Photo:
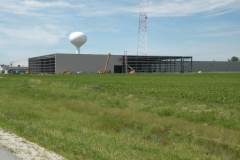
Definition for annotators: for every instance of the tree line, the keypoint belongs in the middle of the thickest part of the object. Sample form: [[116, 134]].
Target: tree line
[[234, 59]]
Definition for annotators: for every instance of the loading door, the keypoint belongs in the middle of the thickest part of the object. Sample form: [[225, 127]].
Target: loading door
[[118, 69]]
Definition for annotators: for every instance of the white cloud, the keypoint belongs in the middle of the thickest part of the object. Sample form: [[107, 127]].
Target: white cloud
[[190, 7], [32, 7], [95, 8], [37, 35], [33, 4]]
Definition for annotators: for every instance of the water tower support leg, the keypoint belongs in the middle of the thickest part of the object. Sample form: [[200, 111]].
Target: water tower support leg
[[78, 50]]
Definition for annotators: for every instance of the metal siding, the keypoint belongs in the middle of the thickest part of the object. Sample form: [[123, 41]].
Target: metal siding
[[205, 66], [85, 62], [55, 63]]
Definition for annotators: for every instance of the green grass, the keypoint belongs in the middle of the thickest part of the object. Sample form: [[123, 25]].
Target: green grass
[[142, 116]]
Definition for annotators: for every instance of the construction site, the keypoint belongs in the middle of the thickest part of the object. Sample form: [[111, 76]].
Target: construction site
[[141, 62], [90, 63], [71, 63]]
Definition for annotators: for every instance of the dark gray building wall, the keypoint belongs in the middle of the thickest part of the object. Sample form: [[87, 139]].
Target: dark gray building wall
[[213, 66], [85, 62]]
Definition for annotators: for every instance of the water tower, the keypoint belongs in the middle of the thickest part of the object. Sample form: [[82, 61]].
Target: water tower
[[78, 39]]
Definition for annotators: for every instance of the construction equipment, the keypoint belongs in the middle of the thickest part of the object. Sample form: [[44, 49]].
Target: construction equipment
[[132, 70], [106, 66], [66, 72]]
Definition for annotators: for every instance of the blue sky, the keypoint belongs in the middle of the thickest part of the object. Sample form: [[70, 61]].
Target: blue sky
[[205, 29]]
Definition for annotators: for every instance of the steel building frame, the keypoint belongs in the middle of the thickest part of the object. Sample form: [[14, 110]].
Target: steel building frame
[[42, 64], [149, 64]]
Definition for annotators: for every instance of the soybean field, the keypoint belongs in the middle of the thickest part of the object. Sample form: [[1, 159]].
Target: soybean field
[[123, 116]]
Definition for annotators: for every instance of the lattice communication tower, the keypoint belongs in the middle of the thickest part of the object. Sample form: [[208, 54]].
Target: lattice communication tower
[[142, 30]]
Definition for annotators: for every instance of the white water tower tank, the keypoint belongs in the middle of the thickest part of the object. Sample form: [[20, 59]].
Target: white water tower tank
[[78, 39]]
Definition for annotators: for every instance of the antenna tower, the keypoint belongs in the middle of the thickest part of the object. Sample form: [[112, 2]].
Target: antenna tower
[[142, 30]]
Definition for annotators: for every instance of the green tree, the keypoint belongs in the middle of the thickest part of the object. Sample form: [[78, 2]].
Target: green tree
[[234, 59]]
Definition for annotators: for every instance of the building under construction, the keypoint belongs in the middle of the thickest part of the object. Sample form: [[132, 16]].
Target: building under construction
[[150, 64], [89, 63]]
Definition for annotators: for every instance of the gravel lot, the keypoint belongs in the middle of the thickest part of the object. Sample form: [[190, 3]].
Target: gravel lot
[[25, 149]]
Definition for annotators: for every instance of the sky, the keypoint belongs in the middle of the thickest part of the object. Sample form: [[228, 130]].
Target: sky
[[208, 30]]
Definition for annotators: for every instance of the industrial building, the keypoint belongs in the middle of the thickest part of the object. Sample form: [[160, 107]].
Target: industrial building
[[15, 67], [89, 63], [19, 63], [3, 68]]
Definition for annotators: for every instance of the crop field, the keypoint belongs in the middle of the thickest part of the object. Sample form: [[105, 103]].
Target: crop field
[[118, 116]]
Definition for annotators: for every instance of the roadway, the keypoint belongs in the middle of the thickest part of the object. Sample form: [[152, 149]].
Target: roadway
[[7, 155]]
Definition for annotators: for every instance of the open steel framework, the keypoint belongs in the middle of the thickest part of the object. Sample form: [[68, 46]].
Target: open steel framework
[[42, 64], [151, 64]]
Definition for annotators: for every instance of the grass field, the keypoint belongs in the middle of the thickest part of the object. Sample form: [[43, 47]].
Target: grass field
[[142, 116]]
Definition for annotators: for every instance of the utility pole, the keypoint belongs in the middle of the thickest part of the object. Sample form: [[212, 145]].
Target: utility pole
[[142, 30]]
